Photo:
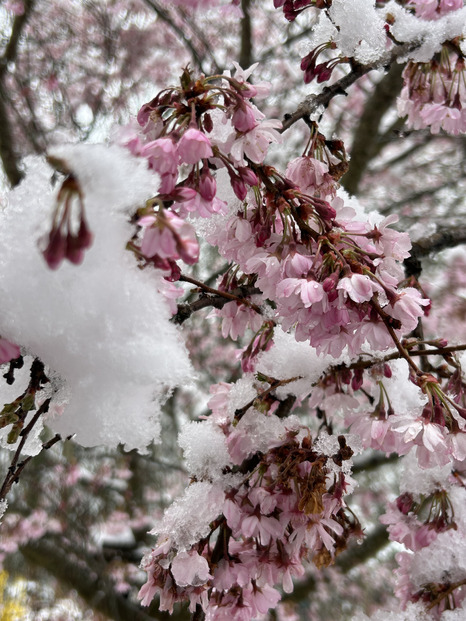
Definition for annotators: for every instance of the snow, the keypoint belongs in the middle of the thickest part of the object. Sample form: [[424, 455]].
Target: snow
[[425, 481], [289, 358], [204, 448], [187, 520], [101, 327], [443, 561], [405, 397], [413, 612], [407, 28], [360, 28]]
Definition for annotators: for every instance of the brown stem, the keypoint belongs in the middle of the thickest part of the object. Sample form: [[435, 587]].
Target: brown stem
[[15, 469], [223, 294], [403, 353], [240, 412], [313, 102]]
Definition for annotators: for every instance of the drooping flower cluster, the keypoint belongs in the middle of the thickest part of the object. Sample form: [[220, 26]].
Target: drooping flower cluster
[[279, 502], [434, 94], [429, 521], [330, 276]]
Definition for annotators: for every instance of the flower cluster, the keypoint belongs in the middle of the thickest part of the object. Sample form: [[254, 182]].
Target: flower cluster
[[430, 523], [283, 505], [331, 277], [434, 94], [186, 134]]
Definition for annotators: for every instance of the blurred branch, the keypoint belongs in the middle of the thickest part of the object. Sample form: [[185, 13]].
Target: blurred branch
[[96, 589], [8, 155], [245, 59], [165, 16], [444, 237], [11, 49], [366, 142], [215, 66], [375, 461]]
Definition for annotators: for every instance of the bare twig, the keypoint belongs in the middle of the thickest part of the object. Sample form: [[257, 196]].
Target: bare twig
[[313, 102]]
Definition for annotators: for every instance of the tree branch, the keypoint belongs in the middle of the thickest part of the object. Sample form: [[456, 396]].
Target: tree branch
[[366, 143], [440, 240], [313, 102], [96, 589], [165, 16], [11, 49], [246, 54]]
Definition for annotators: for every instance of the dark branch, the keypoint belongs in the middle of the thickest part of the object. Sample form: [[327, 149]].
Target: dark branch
[[11, 49], [313, 102], [366, 142], [440, 240], [246, 53], [97, 590], [165, 16]]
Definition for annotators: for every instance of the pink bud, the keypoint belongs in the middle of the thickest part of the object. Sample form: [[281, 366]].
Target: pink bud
[[184, 193], [55, 251], [358, 378], [207, 186], [404, 503], [239, 188], [243, 118], [248, 176]]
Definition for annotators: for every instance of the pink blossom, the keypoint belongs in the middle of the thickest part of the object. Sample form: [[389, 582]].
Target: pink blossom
[[244, 118], [311, 176], [255, 143], [162, 155], [359, 287], [190, 569], [8, 351], [194, 146], [408, 308]]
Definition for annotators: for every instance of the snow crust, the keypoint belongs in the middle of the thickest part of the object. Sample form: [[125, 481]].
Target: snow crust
[[362, 37], [289, 358], [205, 450], [422, 481], [102, 327], [187, 519], [408, 28]]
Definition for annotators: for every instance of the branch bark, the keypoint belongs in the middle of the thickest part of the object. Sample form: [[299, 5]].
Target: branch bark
[[313, 102], [246, 52], [366, 143], [165, 16], [95, 589], [8, 155]]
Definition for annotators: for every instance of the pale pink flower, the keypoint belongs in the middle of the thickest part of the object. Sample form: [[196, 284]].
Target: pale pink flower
[[255, 143], [433, 9], [311, 176], [359, 287], [190, 569], [407, 308], [258, 90], [162, 155], [194, 146]]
